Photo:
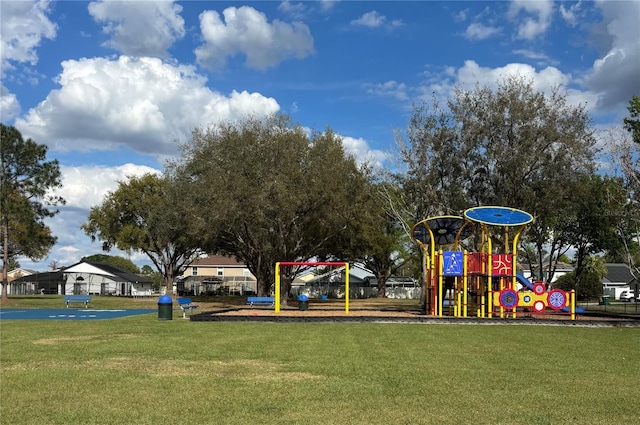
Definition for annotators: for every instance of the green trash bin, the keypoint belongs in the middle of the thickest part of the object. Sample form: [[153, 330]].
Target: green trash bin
[[605, 299], [165, 308], [303, 302]]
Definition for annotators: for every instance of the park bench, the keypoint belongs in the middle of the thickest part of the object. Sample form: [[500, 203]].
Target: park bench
[[260, 301], [186, 305], [77, 299]]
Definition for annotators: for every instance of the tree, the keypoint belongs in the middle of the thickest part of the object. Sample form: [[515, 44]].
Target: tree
[[384, 246], [590, 287], [116, 260], [632, 122], [511, 146], [27, 181], [149, 214], [592, 225], [154, 275], [271, 192]]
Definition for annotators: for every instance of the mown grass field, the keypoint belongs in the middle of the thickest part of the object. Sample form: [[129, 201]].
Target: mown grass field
[[139, 370]]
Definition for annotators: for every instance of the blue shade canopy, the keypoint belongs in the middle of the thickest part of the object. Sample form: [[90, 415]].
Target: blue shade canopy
[[421, 233], [499, 216], [444, 230]]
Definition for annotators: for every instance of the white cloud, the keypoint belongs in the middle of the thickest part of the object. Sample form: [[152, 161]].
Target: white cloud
[[538, 56], [247, 31], [361, 151], [544, 80], [142, 103], [9, 105], [23, 25], [615, 77], [537, 17], [140, 28], [86, 186], [570, 14], [374, 20], [470, 75], [370, 19], [478, 31], [296, 10], [83, 187], [389, 89]]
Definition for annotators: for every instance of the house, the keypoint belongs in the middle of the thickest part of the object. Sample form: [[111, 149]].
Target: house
[[216, 274], [19, 272], [362, 284], [560, 270], [618, 279], [94, 278], [37, 283]]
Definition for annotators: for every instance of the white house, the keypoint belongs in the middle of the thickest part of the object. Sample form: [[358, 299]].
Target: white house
[[617, 279], [93, 278]]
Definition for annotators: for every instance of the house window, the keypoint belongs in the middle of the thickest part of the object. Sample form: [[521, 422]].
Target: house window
[[194, 271], [220, 271]]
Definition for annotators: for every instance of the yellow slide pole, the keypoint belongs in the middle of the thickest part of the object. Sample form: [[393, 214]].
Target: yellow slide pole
[[440, 284]]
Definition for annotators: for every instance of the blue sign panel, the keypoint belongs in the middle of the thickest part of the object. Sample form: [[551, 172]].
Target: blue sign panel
[[452, 263]]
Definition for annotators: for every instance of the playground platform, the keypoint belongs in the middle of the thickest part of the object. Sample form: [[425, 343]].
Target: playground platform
[[377, 316]]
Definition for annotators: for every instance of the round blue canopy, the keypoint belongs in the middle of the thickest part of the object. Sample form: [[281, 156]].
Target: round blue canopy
[[499, 216]]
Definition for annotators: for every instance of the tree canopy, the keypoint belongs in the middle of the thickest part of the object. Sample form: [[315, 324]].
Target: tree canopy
[[511, 145], [270, 191], [149, 214], [632, 122], [26, 181], [116, 260]]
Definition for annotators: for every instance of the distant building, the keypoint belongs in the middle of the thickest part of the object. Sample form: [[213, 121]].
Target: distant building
[[618, 279], [216, 275], [37, 283], [94, 278]]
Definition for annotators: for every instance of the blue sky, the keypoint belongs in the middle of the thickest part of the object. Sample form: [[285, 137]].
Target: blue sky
[[112, 86]]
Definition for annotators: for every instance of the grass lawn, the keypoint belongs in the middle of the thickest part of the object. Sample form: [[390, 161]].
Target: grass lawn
[[138, 370]]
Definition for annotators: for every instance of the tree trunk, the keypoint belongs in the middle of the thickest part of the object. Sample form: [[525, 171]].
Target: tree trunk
[[382, 285], [5, 260]]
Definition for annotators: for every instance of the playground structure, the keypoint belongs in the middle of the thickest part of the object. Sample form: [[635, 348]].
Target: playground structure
[[485, 283]]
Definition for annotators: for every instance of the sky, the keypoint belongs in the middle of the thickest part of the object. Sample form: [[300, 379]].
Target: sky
[[113, 87]]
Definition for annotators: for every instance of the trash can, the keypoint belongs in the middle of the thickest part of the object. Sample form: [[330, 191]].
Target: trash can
[[605, 299], [303, 302], [165, 308]]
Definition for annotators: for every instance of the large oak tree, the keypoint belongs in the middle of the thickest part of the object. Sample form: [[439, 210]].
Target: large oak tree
[[149, 214], [270, 191]]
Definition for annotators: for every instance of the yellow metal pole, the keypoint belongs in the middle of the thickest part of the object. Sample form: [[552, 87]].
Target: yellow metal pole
[[439, 301], [346, 287], [572, 302], [489, 277], [465, 283], [277, 303]]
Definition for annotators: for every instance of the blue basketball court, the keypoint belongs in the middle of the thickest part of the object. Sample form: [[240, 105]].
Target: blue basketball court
[[68, 313]]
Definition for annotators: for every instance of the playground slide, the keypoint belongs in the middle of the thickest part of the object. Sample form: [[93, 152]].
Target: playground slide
[[524, 281]]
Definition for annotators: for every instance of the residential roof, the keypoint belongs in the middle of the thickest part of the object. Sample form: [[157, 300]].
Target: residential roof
[[216, 261], [105, 269], [618, 273], [43, 278]]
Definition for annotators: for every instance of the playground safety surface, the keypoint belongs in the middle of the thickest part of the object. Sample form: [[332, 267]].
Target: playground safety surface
[[378, 316], [68, 313]]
